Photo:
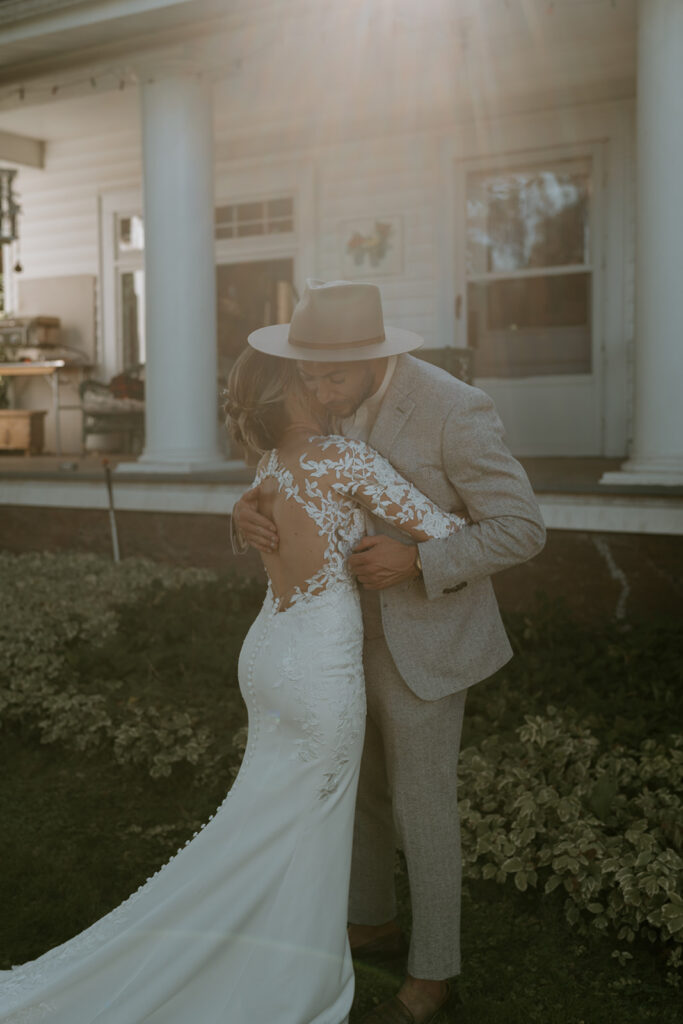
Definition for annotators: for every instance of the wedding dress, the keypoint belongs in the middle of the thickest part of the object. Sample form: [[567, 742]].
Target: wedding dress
[[246, 924]]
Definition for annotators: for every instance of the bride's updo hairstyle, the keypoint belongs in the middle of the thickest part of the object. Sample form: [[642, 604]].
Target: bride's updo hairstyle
[[254, 399]]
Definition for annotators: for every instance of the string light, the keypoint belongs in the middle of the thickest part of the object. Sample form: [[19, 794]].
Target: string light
[[116, 78], [30, 91]]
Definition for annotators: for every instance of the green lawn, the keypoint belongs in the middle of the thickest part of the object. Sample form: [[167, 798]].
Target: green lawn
[[81, 830]]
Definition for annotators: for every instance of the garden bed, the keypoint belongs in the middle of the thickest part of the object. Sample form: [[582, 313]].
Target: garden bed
[[124, 728]]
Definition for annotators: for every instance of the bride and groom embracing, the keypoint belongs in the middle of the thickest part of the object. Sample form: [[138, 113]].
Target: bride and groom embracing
[[351, 691]]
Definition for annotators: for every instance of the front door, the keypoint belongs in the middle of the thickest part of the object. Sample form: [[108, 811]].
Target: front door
[[528, 297]]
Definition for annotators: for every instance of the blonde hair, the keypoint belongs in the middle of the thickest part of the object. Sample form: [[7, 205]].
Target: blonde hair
[[254, 400]]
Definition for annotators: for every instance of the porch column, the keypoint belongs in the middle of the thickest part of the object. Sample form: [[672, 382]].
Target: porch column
[[180, 284], [657, 453]]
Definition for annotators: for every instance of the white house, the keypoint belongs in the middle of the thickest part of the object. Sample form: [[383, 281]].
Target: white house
[[489, 163]]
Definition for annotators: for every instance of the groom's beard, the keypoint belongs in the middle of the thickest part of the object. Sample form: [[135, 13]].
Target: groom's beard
[[348, 408]]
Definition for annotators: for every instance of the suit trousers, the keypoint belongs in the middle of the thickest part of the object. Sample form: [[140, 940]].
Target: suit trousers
[[407, 797]]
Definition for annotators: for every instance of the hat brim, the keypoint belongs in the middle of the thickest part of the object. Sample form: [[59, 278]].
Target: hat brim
[[274, 341]]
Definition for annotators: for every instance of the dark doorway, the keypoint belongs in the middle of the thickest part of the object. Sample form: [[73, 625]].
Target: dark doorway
[[248, 296]]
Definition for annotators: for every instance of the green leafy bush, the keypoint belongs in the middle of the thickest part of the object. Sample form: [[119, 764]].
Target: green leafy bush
[[95, 654], [138, 662], [552, 806]]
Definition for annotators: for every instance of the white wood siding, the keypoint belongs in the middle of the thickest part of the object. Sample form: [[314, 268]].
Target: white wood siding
[[59, 223], [399, 175], [389, 177]]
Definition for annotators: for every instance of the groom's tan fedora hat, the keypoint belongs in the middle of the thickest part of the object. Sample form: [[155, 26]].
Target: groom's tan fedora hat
[[335, 321]]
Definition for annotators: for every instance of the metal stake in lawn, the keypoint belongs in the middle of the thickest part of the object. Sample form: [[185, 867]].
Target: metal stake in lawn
[[112, 514]]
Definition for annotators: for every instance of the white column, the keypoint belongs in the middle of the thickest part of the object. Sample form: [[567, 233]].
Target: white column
[[657, 455], [180, 283]]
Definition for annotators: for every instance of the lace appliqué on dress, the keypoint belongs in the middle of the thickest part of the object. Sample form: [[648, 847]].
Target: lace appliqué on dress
[[363, 473], [339, 478], [338, 519]]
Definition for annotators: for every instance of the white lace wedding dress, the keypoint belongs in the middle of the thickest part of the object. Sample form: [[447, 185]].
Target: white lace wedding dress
[[246, 924]]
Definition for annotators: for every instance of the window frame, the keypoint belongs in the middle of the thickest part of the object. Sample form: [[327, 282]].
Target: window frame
[[528, 158]]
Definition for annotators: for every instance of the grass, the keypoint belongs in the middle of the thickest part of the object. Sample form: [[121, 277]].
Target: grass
[[523, 965], [80, 833]]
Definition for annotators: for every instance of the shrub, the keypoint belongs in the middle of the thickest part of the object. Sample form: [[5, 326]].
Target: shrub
[[138, 661], [82, 641], [605, 826]]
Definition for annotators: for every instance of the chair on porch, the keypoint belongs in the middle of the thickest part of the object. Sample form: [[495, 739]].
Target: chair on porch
[[116, 408]]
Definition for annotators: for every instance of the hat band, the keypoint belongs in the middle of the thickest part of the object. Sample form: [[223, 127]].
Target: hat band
[[337, 344]]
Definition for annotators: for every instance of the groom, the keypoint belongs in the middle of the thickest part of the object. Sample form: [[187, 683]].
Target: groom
[[432, 625]]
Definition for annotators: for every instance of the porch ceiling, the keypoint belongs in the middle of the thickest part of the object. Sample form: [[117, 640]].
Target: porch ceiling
[[311, 66]]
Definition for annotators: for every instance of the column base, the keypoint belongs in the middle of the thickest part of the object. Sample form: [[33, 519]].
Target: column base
[[664, 472]]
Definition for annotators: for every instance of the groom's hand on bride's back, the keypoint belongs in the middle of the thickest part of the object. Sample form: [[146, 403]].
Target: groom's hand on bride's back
[[378, 562], [255, 529]]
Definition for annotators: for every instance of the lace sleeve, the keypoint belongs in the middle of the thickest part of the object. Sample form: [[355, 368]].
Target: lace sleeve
[[358, 471], [262, 468]]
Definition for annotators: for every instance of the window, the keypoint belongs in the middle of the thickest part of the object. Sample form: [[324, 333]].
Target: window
[[529, 272], [129, 240], [266, 217], [132, 299], [130, 234], [124, 244]]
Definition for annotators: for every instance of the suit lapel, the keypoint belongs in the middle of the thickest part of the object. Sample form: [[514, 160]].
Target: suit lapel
[[396, 407]]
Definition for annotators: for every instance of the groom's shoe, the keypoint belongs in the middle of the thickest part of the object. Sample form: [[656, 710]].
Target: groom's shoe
[[395, 1011]]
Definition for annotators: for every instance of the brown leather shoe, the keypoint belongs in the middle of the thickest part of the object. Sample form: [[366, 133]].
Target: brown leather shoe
[[386, 947], [393, 1011]]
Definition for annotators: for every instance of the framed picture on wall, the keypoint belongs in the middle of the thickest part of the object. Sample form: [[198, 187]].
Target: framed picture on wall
[[371, 245]]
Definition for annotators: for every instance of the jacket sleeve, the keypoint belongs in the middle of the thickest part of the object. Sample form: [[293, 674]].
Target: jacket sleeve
[[506, 526], [359, 472]]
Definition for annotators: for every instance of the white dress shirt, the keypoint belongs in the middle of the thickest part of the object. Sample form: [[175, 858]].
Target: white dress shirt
[[359, 426]]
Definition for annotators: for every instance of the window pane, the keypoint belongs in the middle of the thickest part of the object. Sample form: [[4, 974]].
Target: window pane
[[133, 317], [253, 228], [223, 214], [279, 226], [130, 234], [520, 219], [530, 326], [250, 211], [279, 208]]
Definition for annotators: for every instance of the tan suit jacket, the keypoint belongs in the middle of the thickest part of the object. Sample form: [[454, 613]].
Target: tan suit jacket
[[445, 631]]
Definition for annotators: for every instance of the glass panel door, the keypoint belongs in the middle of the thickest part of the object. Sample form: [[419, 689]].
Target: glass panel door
[[132, 297]]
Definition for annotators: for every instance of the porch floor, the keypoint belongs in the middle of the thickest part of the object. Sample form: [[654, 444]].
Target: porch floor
[[16, 466], [569, 491], [565, 474]]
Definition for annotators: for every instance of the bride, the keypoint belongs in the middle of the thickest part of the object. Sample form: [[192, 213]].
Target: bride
[[247, 923]]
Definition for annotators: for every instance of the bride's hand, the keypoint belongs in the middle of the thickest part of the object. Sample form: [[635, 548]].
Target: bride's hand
[[379, 562], [256, 530]]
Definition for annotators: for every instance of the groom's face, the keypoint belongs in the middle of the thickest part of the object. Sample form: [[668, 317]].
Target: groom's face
[[342, 387]]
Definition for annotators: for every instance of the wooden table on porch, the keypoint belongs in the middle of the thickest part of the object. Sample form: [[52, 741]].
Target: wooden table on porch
[[49, 369]]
